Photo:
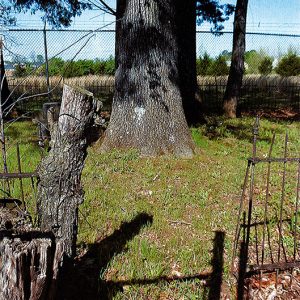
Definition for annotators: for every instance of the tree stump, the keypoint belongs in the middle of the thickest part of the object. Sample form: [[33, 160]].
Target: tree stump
[[59, 188], [32, 261]]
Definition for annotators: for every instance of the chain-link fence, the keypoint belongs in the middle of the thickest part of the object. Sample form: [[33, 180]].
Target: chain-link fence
[[89, 57]]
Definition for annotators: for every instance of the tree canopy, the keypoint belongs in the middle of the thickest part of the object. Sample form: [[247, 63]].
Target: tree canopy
[[60, 13], [57, 13], [213, 12], [6, 14]]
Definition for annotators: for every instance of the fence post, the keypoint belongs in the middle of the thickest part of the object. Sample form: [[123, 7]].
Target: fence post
[[46, 61]]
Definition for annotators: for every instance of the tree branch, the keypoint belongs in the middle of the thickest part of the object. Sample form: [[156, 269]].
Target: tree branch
[[105, 7]]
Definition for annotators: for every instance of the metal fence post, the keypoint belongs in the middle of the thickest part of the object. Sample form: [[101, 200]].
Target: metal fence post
[[46, 61]]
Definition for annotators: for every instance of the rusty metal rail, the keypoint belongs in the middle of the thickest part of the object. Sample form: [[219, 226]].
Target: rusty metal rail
[[17, 175], [268, 226]]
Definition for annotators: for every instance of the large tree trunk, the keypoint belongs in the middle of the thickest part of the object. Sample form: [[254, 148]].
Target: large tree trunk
[[59, 188], [235, 79], [186, 37], [5, 101], [147, 112]]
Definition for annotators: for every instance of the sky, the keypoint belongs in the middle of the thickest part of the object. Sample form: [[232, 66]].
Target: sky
[[266, 16], [276, 16]]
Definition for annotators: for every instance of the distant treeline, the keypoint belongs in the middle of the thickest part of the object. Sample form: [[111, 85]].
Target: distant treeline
[[256, 62], [59, 67]]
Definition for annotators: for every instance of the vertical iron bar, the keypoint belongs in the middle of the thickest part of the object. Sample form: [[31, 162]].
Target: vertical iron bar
[[256, 241], [270, 247], [260, 278], [266, 202], [20, 179], [2, 135], [282, 197], [296, 211], [46, 61], [237, 230], [255, 135]]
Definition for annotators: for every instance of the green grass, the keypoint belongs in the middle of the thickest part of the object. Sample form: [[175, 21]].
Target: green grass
[[25, 134], [189, 200]]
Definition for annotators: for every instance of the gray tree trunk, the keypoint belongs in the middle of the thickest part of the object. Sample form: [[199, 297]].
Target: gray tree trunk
[[59, 187], [4, 90], [147, 112], [186, 37], [235, 78]]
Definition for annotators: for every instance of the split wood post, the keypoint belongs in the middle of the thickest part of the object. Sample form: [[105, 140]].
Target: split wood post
[[29, 265], [59, 187], [31, 260]]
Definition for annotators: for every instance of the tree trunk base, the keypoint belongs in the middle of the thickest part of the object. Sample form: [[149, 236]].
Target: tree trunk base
[[29, 265], [230, 108]]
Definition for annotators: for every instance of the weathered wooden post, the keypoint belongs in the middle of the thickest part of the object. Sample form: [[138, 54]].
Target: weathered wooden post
[[30, 259], [59, 187]]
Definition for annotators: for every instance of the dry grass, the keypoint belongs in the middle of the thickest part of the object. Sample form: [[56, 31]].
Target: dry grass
[[91, 81], [253, 80], [31, 83]]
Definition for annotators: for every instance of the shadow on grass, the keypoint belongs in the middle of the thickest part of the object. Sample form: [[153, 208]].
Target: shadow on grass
[[84, 282], [218, 129], [212, 288]]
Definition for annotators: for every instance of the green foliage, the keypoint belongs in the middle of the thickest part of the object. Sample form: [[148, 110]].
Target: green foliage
[[67, 69], [55, 66], [203, 64], [213, 12], [206, 65], [266, 66], [110, 68], [219, 67], [89, 67], [253, 60], [22, 70], [56, 13], [258, 62], [289, 65], [78, 68], [6, 16], [102, 67]]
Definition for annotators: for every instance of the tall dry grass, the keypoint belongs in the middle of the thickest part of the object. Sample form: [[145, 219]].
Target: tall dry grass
[[252, 80], [38, 84], [91, 82]]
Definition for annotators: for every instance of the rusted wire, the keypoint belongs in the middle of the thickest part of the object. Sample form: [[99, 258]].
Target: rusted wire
[[266, 202], [282, 197], [279, 259], [296, 212]]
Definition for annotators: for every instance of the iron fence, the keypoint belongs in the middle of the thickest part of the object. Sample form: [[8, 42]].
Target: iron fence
[[26, 49]]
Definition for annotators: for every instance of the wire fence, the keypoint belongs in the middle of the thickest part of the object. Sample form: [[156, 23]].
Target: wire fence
[[93, 52]]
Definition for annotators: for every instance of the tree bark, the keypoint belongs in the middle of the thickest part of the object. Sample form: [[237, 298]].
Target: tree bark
[[235, 78], [5, 101], [186, 36], [147, 112], [59, 187], [30, 259]]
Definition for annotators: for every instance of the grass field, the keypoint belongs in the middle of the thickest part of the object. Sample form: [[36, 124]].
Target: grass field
[[146, 221]]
